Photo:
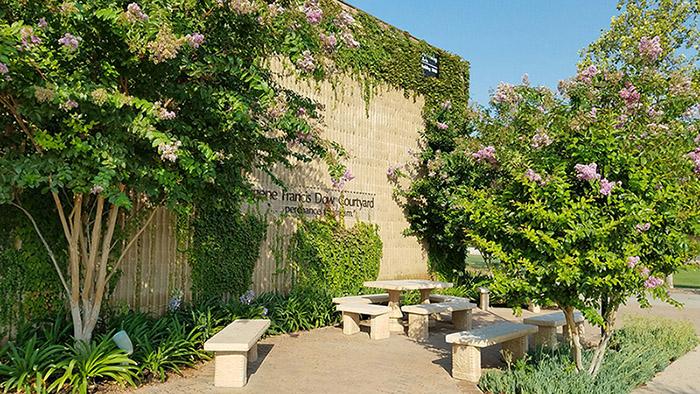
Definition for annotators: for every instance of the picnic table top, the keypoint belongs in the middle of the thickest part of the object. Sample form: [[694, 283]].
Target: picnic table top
[[407, 284]]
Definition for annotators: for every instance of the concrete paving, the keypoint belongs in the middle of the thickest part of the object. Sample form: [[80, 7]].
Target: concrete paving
[[325, 360]]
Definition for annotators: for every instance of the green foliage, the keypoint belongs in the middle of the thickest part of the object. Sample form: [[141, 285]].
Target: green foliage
[[225, 245], [560, 237], [639, 350], [27, 367], [29, 289], [301, 309], [88, 363], [327, 254]]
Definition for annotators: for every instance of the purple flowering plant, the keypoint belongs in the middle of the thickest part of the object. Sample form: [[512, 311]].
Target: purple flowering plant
[[118, 108], [618, 211]]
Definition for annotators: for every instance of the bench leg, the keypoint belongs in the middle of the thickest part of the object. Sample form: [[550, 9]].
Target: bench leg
[[484, 301], [379, 326], [351, 323], [466, 362], [253, 353], [230, 369], [516, 348], [462, 320], [395, 316], [546, 337], [418, 327]]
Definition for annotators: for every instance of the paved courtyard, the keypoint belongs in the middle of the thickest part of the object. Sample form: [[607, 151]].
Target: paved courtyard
[[325, 360]]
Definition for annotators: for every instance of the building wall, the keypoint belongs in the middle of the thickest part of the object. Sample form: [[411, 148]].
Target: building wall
[[375, 135]]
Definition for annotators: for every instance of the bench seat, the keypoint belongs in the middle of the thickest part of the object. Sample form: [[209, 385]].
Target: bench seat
[[467, 345], [419, 322], [233, 347], [363, 299], [438, 298], [547, 327], [379, 319]]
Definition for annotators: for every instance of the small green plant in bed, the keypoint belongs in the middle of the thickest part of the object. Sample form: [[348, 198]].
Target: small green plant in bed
[[638, 351]]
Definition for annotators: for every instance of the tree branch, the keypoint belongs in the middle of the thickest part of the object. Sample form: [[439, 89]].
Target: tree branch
[[46, 245], [131, 242]]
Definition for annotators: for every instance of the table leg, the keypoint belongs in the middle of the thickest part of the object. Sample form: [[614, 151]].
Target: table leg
[[395, 316], [425, 296]]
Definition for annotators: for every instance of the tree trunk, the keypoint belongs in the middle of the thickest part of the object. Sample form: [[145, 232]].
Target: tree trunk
[[574, 337], [607, 331]]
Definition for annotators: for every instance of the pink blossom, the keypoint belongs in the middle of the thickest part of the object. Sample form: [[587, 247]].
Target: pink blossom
[[594, 112], [606, 186], [345, 19], [328, 41], [695, 157], [653, 282], [194, 40], [447, 105], [134, 13], [28, 38], [69, 41], [697, 139], [42, 23], [587, 172], [487, 154], [541, 139], [168, 151], [313, 12], [97, 189], [349, 39], [505, 94], [3, 68], [347, 175], [533, 176], [301, 111], [630, 94], [650, 48], [642, 227], [645, 272], [632, 261], [69, 105], [392, 171], [306, 62], [586, 75], [340, 183], [442, 125]]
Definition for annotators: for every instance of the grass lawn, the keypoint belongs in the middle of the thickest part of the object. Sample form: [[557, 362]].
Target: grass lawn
[[687, 279]]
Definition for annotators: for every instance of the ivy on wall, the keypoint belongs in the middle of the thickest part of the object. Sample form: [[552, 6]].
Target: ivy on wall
[[224, 247], [327, 254], [29, 288]]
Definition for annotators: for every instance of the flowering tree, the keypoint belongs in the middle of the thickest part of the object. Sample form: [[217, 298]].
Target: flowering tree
[[112, 109], [587, 198]]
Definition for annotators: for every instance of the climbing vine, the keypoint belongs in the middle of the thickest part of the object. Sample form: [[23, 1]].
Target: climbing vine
[[327, 254]]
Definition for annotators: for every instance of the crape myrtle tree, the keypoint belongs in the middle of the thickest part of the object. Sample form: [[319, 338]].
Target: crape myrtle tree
[[110, 109], [586, 197]]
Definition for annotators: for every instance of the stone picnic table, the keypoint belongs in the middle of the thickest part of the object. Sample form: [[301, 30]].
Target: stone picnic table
[[395, 287]]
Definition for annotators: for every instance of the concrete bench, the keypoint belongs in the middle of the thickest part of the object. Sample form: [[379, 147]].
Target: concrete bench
[[439, 298], [233, 347], [466, 346], [418, 317], [379, 319], [363, 299], [547, 327]]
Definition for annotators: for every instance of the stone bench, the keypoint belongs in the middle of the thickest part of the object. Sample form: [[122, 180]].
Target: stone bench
[[363, 299], [419, 317], [466, 346], [379, 319], [439, 298], [233, 347], [547, 327]]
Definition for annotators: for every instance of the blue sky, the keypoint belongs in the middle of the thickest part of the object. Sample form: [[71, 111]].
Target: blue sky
[[502, 39]]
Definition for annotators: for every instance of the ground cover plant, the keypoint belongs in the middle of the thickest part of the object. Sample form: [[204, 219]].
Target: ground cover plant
[[643, 347]]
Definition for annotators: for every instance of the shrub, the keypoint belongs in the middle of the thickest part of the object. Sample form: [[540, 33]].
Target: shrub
[[90, 362], [26, 368], [638, 351], [327, 254]]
